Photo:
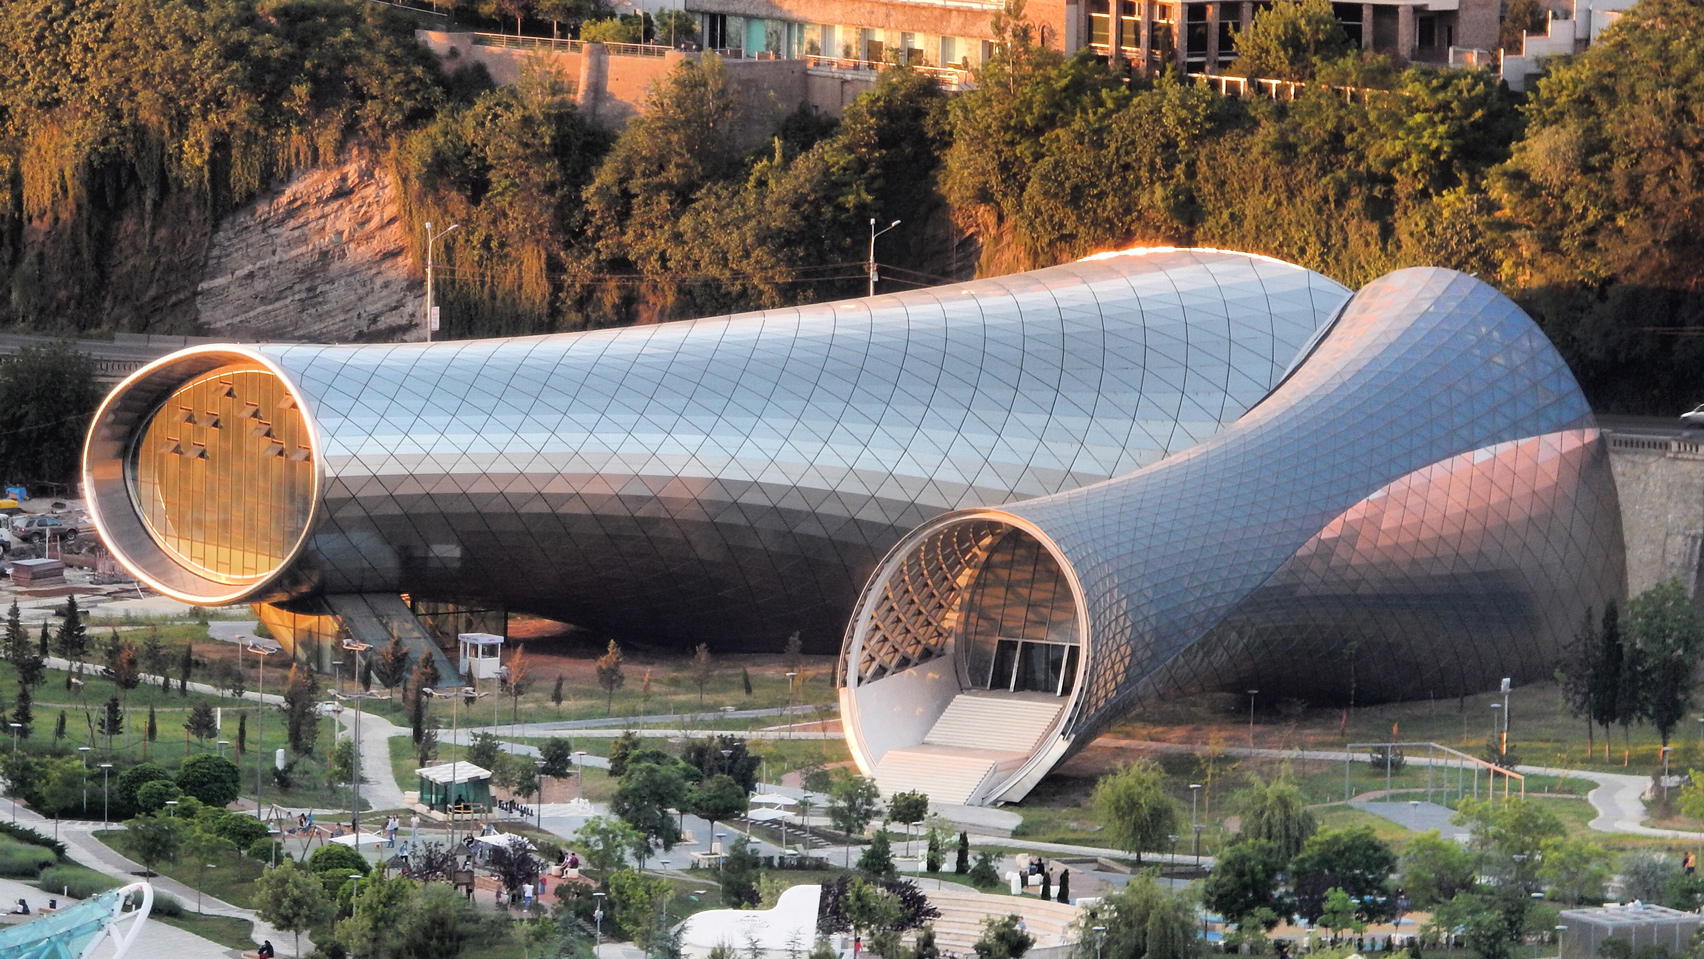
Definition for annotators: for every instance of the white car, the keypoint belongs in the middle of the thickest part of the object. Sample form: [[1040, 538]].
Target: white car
[[1693, 417], [330, 707]]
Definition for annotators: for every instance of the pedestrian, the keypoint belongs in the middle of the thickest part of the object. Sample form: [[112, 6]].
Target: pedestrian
[[414, 826], [1690, 862], [526, 896]]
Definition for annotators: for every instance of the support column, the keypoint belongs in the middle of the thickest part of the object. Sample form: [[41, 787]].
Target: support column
[[1212, 38], [1180, 37], [1114, 34], [1406, 33], [1145, 37], [1366, 26]]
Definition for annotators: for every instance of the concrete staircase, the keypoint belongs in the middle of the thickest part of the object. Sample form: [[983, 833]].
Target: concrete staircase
[[977, 738], [373, 618], [964, 910]]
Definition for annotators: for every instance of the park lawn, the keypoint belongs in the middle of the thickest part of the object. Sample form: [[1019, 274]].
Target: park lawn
[[1541, 730], [1347, 817], [227, 931], [231, 877]]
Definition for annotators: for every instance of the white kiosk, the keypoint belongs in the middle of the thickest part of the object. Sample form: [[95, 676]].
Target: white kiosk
[[481, 655]]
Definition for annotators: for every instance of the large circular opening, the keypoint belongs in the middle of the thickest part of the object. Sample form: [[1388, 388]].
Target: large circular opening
[[201, 475], [223, 474]]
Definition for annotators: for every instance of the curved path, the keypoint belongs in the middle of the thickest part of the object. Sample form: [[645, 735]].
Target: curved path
[[1618, 798]]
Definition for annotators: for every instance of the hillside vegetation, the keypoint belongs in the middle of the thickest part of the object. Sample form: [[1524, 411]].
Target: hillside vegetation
[[127, 129]]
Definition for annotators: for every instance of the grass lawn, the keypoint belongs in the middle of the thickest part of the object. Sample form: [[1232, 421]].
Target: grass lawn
[[227, 931], [231, 877]]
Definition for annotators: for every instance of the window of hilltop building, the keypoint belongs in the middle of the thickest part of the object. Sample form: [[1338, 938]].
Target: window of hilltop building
[[1228, 27], [1163, 44], [1195, 55], [716, 31], [1349, 14], [1100, 25], [1130, 28]]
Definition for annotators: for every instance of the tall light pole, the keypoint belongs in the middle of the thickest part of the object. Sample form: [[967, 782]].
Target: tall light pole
[[873, 234], [106, 793], [597, 915], [791, 674], [1506, 687], [1194, 798], [539, 801], [222, 744], [432, 240], [260, 654], [1251, 694], [83, 751]]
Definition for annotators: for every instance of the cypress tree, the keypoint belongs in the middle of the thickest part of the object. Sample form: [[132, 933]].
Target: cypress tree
[[186, 665], [962, 865], [242, 733], [23, 715], [153, 727], [745, 674], [59, 727], [41, 644]]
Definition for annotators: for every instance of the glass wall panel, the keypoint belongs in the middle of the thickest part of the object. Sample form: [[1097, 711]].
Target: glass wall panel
[[223, 474]]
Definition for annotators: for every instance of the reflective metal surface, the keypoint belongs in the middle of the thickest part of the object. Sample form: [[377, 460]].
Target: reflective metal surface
[[1422, 508], [734, 480]]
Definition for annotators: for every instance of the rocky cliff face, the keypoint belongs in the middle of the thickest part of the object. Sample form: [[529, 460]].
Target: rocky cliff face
[[322, 258]]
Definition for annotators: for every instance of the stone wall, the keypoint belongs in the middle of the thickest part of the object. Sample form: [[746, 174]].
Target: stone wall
[[324, 258], [1661, 486]]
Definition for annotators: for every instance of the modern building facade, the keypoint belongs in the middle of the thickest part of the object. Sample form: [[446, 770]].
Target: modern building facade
[[730, 480], [1020, 506], [1422, 507]]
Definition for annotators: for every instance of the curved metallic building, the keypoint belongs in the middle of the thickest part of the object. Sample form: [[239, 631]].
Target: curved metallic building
[[1422, 507], [730, 480]]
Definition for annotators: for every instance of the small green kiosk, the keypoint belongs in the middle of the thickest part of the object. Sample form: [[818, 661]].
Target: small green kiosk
[[456, 783]]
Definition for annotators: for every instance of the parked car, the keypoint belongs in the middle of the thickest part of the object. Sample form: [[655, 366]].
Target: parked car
[[1693, 417], [32, 529], [330, 707]]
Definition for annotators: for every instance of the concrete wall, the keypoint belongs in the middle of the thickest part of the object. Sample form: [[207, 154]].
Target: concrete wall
[[611, 89], [1661, 486]]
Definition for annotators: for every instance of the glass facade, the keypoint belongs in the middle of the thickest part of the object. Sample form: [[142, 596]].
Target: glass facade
[[1424, 504], [223, 474], [734, 480]]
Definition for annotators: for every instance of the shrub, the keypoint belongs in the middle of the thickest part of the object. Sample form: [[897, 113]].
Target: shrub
[[152, 796], [78, 882], [26, 834], [983, 875], [266, 850], [242, 829], [20, 861], [340, 859], [166, 904], [211, 779]]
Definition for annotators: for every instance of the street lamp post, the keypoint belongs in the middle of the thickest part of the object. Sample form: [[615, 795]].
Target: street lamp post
[[106, 793], [1194, 797], [1100, 937], [873, 234], [83, 751], [1251, 694], [597, 916], [260, 654], [15, 728], [791, 674], [171, 813], [721, 853], [538, 799], [221, 748], [431, 240], [579, 771], [200, 881]]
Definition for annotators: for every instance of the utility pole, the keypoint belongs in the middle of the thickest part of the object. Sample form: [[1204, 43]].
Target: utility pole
[[873, 234], [431, 306]]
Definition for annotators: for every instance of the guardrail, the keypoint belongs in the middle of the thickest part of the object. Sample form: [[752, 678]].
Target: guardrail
[[1245, 87], [951, 77], [510, 42], [1655, 444]]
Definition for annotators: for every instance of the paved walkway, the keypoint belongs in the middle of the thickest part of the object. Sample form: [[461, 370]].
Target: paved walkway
[[1618, 797], [80, 843]]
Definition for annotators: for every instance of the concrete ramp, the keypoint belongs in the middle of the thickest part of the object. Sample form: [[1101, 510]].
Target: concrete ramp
[[373, 618]]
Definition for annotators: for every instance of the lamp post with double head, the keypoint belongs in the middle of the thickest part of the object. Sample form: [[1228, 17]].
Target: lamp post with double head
[[431, 300], [1251, 694], [873, 234], [260, 654], [83, 751]]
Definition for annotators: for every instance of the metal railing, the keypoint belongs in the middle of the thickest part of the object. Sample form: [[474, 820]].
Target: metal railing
[[1450, 759], [511, 42], [951, 77], [1655, 444], [1245, 87]]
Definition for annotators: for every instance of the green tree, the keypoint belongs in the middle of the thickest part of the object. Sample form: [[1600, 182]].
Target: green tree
[[23, 714], [1508, 835], [49, 395], [877, 858], [72, 642], [484, 750], [1140, 920], [154, 656], [624, 746], [111, 722], [390, 664], [186, 668], [211, 779], [1288, 40], [437, 924], [702, 670], [852, 804], [610, 676], [153, 796], [1338, 913], [932, 859], [1352, 859], [376, 915], [638, 902], [556, 694], [153, 839], [961, 861], [643, 799], [201, 724], [739, 876], [1664, 626], [1003, 937], [1138, 811], [1277, 812], [340, 763], [983, 875], [609, 842], [558, 756], [1574, 870], [717, 799], [301, 720], [907, 807], [1435, 869], [1246, 880], [336, 858], [291, 899], [1520, 18]]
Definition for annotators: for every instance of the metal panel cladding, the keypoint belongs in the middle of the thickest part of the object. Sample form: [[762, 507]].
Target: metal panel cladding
[[735, 479], [1423, 507]]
